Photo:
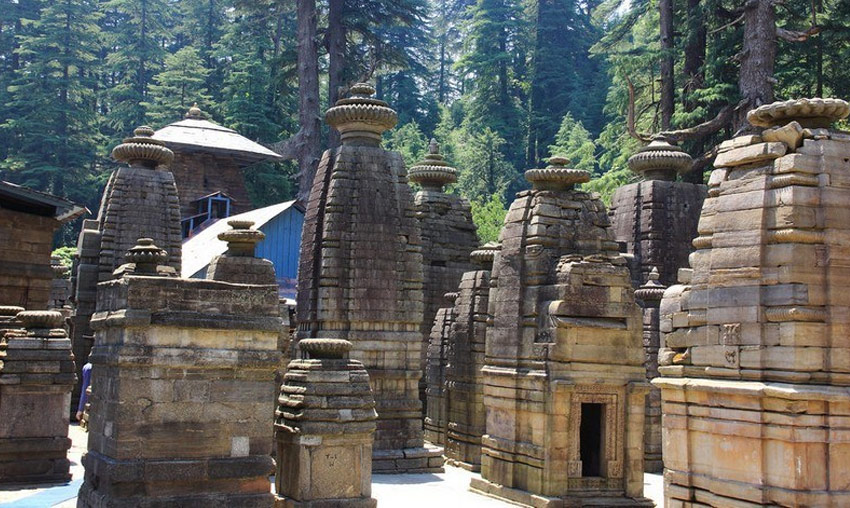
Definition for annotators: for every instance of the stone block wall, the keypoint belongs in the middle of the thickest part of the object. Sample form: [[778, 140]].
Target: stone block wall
[[198, 173], [754, 365], [435, 375], [183, 393], [26, 241]]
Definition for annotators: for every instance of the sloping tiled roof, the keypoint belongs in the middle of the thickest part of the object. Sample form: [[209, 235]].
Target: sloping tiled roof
[[24, 199], [199, 133], [201, 248]]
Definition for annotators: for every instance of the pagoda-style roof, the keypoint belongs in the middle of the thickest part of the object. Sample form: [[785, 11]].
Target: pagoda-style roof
[[195, 132]]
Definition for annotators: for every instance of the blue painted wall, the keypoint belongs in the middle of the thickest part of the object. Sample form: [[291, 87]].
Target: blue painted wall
[[282, 246]]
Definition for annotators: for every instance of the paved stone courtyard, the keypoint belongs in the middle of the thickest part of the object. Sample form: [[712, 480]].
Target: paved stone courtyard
[[444, 490]]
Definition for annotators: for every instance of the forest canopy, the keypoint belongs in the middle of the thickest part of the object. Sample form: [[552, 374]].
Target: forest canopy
[[501, 84]]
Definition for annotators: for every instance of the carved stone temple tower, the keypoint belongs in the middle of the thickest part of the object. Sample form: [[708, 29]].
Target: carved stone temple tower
[[360, 273], [464, 394], [655, 220], [139, 201], [755, 369], [564, 380], [448, 234]]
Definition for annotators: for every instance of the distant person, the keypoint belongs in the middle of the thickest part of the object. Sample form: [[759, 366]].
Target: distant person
[[84, 396]]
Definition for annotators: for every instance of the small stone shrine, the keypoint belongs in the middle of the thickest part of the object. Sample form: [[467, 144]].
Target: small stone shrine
[[755, 365], [324, 426], [564, 377], [435, 373], [182, 389], [448, 234], [464, 359], [655, 219], [238, 264], [140, 200], [360, 274], [36, 378]]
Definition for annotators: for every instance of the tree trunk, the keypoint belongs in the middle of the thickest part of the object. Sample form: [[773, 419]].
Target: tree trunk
[[758, 57], [665, 11], [694, 54], [336, 57], [308, 146]]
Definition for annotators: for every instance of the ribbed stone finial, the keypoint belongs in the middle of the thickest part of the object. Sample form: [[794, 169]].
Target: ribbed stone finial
[[360, 118], [40, 319], [146, 256], [142, 150], [325, 349], [241, 240], [809, 113], [432, 173], [60, 271], [660, 160], [451, 297], [195, 113], [651, 290], [484, 255], [556, 176], [9, 311]]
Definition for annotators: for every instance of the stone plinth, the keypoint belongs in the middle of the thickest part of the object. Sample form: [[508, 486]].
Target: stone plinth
[[182, 392], [464, 359], [435, 373], [564, 380], [754, 365], [324, 426], [35, 389], [360, 274], [448, 235], [140, 200]]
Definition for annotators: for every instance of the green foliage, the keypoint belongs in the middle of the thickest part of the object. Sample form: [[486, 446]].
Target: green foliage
[[66, 254], [407, 140], [489, 216], [484, 170], [180, 84], [269, 183], [573, 142]]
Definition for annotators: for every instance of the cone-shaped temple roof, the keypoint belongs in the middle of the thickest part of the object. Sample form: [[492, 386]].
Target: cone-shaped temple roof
[[196, 132]]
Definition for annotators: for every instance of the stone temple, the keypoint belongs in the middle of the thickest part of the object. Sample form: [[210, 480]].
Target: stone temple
[[755, 366], [564, 379], [360, 275], [447, 233]]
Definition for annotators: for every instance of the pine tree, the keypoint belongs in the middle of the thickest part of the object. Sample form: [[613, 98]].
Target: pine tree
[[180, 84], [137, 55], [407, 140], [52, 123], [484, 170], [573, 142]]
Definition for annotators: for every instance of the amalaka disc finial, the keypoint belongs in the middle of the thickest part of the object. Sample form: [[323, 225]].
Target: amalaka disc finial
[[809, 113], [360, 118], [556, 176], [433, 173], [146, 256], [143, 150], [241, 240], [660, 160]]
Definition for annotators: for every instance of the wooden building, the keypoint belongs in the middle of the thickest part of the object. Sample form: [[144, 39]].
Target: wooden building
[[208, 163]]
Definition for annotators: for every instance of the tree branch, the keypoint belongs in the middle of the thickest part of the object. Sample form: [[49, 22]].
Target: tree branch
[[727, 25], [723, 118], [795, 36], [631, 114]]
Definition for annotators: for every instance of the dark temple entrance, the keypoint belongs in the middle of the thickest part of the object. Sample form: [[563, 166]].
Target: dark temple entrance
[[590, 440]]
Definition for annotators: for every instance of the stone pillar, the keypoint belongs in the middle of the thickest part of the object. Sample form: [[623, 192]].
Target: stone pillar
[[754, 368], [35, 389], [465, 359], [360, 274], [564, 377], [60, 287], [650, 295], [182, 389], [140, 200], [324, 426], [435, 373], [655, 219], [448, 236]]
